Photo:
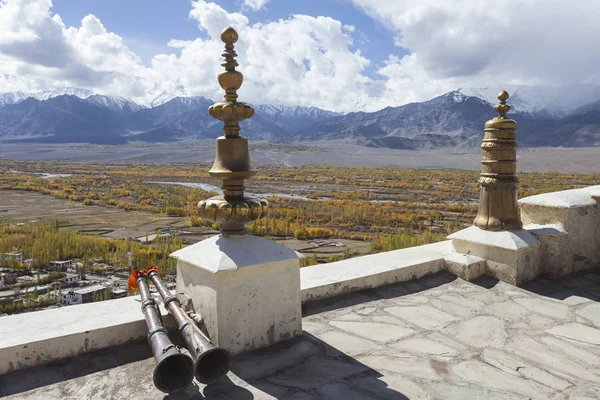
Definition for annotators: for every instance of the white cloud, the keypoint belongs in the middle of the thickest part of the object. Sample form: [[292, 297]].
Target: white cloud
[[311, 61], [480, 43], [255, 5], [300, 60]]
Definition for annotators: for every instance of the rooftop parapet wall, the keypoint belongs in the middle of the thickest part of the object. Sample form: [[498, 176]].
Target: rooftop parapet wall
[[40, 337], [567, 223]]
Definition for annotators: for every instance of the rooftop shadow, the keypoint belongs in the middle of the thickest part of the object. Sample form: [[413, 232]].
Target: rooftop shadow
[[582, 284], [382, 292], [307, 367], [73, 367]]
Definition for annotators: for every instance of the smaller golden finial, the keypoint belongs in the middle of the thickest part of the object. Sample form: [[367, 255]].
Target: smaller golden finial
[[502, 108], [498, 206]]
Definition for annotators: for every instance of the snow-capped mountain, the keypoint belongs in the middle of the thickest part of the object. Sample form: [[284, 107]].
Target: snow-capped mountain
[[17, 97], [87, 117], [69, 91], [457, 118], [162, 98], [546, 116], [554, 101], [12, 98], [114, 102], [296, 118]]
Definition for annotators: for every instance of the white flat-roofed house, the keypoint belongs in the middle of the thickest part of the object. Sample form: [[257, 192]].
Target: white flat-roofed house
[[12, 257], [117, 293], [61, 265], [83, 295]]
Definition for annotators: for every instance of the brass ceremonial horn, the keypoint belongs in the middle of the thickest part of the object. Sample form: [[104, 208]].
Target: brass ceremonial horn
[[174, 370], [210, 362]]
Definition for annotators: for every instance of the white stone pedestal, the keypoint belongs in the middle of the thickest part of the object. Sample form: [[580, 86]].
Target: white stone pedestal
[[511, 256], [246, 288]]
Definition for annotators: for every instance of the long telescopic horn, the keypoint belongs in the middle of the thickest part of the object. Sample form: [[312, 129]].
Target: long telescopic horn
[[174, 370], [211, 362]]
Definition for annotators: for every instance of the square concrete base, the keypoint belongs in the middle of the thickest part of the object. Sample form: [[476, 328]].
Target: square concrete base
[[511, 256], [246, 288]]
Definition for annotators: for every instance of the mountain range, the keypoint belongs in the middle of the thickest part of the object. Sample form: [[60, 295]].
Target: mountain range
[[546, 116]]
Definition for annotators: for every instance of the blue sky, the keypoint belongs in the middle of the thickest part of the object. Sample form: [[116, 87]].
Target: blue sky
[[341, 55], [148, 32]]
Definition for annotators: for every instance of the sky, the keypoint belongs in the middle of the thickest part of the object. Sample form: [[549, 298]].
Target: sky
[[341, 55]]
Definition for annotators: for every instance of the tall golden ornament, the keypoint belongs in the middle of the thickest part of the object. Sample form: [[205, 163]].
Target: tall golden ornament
[[232, 162], [498, 207]]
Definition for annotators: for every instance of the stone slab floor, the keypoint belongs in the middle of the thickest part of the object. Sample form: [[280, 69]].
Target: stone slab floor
[[434, 338]]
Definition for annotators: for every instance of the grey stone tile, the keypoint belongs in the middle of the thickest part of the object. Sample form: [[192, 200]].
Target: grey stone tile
[[366, 310], [591, 313], [316, 372], [507, 310], [379, 332], [585, 392], [575, 350], [425, 346], [425, 317], [463, 301], [536, 321], [352, 316], [512, 365], [444, 339], [408, 366], [550, 308], [489, 296], [486, 376], [348, 344], [386, 319], [314, 328], [452, 308], [548, 359], [579, 332], [480, 332], [516, 292]]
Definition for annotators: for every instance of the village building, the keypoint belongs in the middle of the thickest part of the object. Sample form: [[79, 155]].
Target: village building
[[117, 293], [70, 280], [61, 265], [83, 295], [7, 259], [7, 278]]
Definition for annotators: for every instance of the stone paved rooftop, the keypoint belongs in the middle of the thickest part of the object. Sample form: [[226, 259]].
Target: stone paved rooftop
[[438, 337]]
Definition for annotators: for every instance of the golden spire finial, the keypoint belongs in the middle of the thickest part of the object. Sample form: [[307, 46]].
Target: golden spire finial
[[232, 161], [502, 108], [231, 112]]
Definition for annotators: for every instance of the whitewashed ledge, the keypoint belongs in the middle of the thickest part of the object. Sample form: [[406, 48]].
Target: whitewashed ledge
[[582, 197], [336, 278], [42, 336]]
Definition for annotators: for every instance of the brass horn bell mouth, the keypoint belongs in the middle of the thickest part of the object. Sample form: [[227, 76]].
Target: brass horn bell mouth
[[212, 365], [173, 373]]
